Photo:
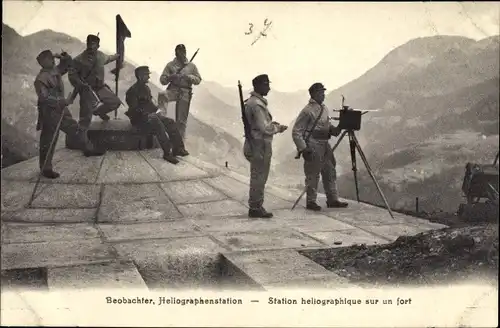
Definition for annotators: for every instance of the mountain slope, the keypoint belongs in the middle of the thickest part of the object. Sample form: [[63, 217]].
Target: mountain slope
[[438, 96], [19, 99]]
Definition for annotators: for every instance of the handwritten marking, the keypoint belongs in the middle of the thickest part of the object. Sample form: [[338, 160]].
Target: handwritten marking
[[262, 33]]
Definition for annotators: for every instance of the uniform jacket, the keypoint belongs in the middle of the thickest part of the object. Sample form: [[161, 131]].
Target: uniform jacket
[[89, 69], [139, 101], [305, 122], [259, 118], [49, 87], [193, 76]]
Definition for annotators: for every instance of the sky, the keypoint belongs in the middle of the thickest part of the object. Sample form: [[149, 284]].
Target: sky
[[307, 41]]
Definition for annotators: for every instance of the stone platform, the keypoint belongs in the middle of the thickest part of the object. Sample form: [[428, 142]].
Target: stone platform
[[129, 218], [116, 134]]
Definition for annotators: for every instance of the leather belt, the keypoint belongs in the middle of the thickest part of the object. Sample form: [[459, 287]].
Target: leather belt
[[320, 135]]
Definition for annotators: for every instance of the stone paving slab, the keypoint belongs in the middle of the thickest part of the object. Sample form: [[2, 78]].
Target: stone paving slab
[[99, 275], [394, 231], [205, 166], [265, 239], [77, 169], [54, 253], [302, 221], [15, 195], [194, 191], [347, 237], [168, 172], [268, 268], [362, 217], [217, 208], [126, 166], [39, 215], [233, 224], [25, 170], [67, 196], [32, 233], [229, 186], [150, 230], [135, 203]]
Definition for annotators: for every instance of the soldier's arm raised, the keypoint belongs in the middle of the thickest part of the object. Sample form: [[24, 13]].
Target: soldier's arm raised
[[260, 121], [299, 128], [65, 63], [109, 59]]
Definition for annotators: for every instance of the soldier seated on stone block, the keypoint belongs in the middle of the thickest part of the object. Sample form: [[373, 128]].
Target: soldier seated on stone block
[[143, 115], [52, 109]]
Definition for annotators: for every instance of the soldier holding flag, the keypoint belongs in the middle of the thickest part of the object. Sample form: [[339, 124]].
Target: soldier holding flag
[[87, 75]]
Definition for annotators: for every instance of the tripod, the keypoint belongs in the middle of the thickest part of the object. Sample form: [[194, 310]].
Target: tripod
[[354, 145]]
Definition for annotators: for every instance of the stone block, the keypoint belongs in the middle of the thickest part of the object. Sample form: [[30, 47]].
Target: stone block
[[54, 253], [45, 215], [116, 134], [127, 167], [217, 208], [193, 191], [346, 237], [55, 195], [151, 230], [32, 233], [99, 275]]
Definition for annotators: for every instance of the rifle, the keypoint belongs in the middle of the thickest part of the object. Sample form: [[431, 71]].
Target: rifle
[[246, 125], [180, 69]]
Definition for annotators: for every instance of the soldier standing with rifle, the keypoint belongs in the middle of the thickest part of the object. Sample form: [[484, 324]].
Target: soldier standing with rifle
[[53, 113], [259, 132], [180, 75], [142, 114], [87, 76], [315, 149]]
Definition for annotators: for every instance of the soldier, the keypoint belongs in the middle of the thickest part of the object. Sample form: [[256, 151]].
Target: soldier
[[51, 105], [258, 148], [317, 152], [87, 75], [180, 75], [142, 114]]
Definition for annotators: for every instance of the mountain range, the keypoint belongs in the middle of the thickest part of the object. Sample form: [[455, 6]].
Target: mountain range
[[437, 99]]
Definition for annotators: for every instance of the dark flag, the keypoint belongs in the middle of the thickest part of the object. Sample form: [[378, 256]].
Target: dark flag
[[122, 32]]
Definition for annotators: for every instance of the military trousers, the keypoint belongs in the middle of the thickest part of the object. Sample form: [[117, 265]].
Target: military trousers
[[322, 162], [259, 153], [49, 118], [182, 98], [163, 128], [109, 101]]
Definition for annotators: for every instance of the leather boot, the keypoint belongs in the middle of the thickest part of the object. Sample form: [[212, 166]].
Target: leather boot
[[336, 204], [170, 158], [313, 206], [50, 174], [181, 152], [259, 213]]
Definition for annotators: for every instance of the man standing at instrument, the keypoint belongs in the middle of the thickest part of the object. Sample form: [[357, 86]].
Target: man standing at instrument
[[258, 147], [142, 114], [87, 75], [52, 108], [180, 75], [311, 133]]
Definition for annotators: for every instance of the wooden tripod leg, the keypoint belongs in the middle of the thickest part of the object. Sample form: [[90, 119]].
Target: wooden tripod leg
[[360, 151]]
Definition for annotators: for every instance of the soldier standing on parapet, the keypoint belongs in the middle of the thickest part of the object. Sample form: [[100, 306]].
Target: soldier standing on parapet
[[87, 74], [258, 148], [52, 107], [142, 114], [317, 153], [180, 75]]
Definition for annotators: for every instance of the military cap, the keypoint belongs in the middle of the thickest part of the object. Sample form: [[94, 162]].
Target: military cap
[[261, 79], [316, 87], [179, 47], [141, 70], [92, 38], [44, 54]]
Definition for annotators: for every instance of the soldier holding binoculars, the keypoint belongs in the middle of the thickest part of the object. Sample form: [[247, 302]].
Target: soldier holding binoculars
[[53, 113]]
